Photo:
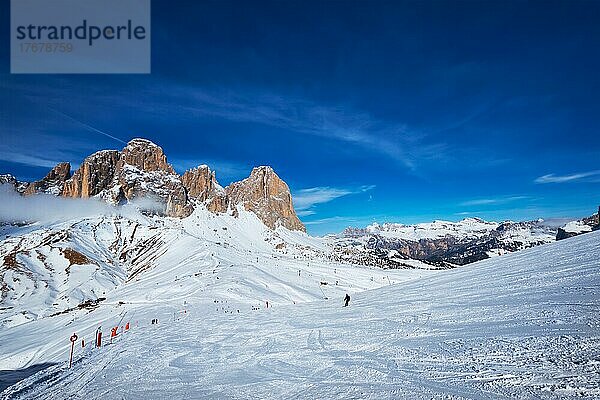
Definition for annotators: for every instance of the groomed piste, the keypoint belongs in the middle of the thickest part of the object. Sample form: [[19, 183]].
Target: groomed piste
[[522, 325]]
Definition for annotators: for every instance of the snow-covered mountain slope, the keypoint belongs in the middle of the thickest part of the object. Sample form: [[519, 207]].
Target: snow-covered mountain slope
[[83, 273], [468, 227], [525, 325], [577, 227], [442, 243]]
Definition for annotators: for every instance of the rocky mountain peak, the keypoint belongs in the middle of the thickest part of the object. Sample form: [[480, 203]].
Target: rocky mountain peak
[[146, 156], [201, 184], [141, 170], [266, 195], [18, 186], [53, 182]]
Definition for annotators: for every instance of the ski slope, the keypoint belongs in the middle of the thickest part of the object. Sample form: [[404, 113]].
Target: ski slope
[[144, 268], [524, 325]]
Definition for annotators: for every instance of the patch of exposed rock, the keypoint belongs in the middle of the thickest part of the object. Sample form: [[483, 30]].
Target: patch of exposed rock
[[52, 183], [266, 195], [202, 185], [18, 186], [95, 174], [142, 172], [145, 156], [139, 171], [456, 247], [579, 227]]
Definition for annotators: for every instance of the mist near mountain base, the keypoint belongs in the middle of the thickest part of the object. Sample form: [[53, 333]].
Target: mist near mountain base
[[49, 208]]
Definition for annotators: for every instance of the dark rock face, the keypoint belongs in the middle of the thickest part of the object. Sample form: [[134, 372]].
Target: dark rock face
[[562, 234], [52, 183], [593, 222]]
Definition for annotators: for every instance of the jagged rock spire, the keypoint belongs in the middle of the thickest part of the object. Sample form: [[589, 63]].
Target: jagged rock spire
[[266, 195]]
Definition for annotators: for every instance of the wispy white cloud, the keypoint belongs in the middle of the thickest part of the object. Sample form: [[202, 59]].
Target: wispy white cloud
[[305, 213], [27, 159], [332, 122], [338, 219], [294, 115], [493, 201], [580, 176], [306, 199]]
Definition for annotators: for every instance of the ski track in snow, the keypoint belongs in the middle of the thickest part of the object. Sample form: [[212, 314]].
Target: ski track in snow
[[524, 325]]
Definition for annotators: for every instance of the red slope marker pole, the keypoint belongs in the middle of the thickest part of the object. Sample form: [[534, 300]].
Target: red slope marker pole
[[99, 336], [73, 339]]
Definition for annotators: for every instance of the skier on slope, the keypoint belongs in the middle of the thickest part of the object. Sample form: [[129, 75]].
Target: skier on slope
[[346, 300]]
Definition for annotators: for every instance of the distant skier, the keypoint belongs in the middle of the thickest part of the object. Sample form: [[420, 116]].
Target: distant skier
[[346, 300]]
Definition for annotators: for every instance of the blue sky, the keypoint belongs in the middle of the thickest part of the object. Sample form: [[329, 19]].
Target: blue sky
[[370, 111]]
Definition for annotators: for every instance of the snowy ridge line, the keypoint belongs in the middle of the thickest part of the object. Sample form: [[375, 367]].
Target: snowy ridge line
[[440, 244]]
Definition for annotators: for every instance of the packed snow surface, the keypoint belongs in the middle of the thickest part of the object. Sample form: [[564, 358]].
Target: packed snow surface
[[525, 325], [137, 265]]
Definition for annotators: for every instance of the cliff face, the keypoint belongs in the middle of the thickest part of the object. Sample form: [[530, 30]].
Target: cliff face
[[202, 185], [93, 176], [266, 195], [140, 172], [145, 156], [262, 193], [52, 183], [143, 172]]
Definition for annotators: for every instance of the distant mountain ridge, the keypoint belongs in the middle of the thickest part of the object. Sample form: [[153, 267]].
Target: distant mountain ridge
[[578, 227], [446, 244], [141, 171]]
